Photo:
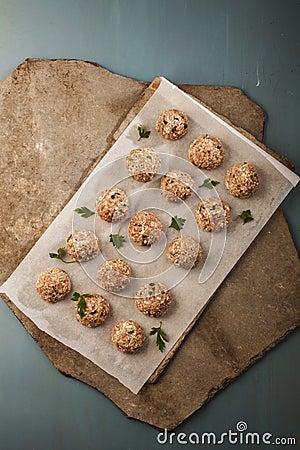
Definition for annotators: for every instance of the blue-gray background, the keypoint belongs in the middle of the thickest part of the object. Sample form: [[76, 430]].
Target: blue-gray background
[[254, 45]]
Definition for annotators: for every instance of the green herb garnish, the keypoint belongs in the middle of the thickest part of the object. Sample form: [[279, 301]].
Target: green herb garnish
[[117, 240], [209, 184], [177, 223], [246, 216], [84, 212], [81, 305], [59, 255], [142, 132], [161, 337]]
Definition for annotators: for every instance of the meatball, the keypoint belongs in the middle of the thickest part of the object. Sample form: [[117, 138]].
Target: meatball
[[212, 214], [128, 336], [206, 152], [82, 245], [114, 275], [172, 124], [112, 205], [153, 299], [91, 310], [142, 164], [53, 285], [145, 228], [176, 185], [184, 252], [242, 180]]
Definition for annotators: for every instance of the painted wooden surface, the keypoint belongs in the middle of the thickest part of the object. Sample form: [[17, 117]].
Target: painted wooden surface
[[252, 45]]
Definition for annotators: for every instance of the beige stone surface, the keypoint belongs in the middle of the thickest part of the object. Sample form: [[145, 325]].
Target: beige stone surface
[[230, 102], [57, 119]]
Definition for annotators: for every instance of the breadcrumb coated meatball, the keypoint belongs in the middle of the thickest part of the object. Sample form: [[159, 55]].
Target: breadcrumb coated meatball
[[53, 285], [128, 336], [176, 185], [172, 124], [114, 275], [242, 180], [112, 205], [184, 252], [206, 152], [145, 228], [153, 299], [212, 214], [143, 164], [95, 312], [82, 245]]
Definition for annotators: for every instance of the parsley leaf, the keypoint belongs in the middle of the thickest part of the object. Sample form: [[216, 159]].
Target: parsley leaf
[[142, 132], [81, 305], [177, 223], [117, 240], [75, 296], [161, 337], [84, 212], [209, 184], [246, 216], [59, 255]]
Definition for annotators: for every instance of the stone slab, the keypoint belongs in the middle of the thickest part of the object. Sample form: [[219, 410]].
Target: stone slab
[[58, 118]]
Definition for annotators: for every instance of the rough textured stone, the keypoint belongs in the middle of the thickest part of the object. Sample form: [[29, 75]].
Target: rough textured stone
[[58, 119], [230, 102]]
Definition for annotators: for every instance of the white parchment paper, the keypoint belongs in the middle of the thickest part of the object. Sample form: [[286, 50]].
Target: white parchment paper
[[190, 290]]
